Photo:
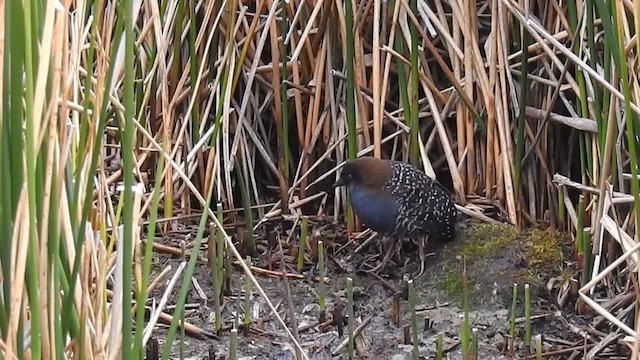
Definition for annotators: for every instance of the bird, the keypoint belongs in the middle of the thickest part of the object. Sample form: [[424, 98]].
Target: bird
[[397, 200]]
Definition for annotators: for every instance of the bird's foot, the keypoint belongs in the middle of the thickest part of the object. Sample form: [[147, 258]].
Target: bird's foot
[[385, 260], [423, 257], [383, 263]]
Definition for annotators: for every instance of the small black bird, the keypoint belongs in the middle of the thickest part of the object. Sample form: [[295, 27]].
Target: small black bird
[[397, 200]]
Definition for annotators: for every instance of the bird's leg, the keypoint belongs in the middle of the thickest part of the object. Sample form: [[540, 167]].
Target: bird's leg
[[421, 244]]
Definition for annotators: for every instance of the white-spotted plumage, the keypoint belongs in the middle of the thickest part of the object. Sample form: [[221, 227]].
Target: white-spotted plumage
[[425, 207]]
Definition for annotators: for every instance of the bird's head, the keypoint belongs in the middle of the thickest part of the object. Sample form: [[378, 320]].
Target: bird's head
[[365, 171]]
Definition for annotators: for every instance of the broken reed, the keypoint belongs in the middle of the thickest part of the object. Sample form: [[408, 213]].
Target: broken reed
[[321, 274], [512, 317], [303, 242], [527, 318], [233, 344], [247, 299], [216, 273], [414, 319], [439, 347], [351, 318], [220, 267], [539, 347], [583, 243]]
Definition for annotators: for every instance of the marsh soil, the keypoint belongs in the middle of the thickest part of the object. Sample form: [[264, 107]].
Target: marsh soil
[[496, 257]]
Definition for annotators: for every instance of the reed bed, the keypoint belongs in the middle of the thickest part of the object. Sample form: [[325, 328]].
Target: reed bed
[[122, 118]]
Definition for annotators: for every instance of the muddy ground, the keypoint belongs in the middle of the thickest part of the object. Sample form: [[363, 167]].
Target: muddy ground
[[496, 256]]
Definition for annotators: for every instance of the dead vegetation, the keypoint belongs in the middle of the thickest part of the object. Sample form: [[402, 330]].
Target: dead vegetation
[[127, 122]]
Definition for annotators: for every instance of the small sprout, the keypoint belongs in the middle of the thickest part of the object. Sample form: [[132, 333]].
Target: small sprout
[[464, 332], [414, 320], [303, 242], [539, 347], [439, 350]]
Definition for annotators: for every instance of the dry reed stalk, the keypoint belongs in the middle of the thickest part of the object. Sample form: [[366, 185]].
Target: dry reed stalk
[[468, 30], [377, 97]]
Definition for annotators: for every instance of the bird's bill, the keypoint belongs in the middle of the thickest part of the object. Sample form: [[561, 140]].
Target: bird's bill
[[338, 183]]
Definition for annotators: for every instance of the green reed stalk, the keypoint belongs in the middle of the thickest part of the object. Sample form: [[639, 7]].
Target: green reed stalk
[[18, 85], [414, 151], [630, 116], [303, 242], [29, 23], [284, 98], [464, 331], [585, 166], [12, 143], [592, 60], [583, 243], [402, 76], [439, 347], [587, 258], [512, 317], [193, 70], [580, 231], [128, 170]]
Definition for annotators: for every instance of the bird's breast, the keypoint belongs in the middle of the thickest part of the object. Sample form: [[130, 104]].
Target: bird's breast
[[378, 211]]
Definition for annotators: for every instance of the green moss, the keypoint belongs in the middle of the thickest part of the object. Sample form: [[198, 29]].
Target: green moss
[[451, 283], [484, 240], [497, 256], [544, 250]]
